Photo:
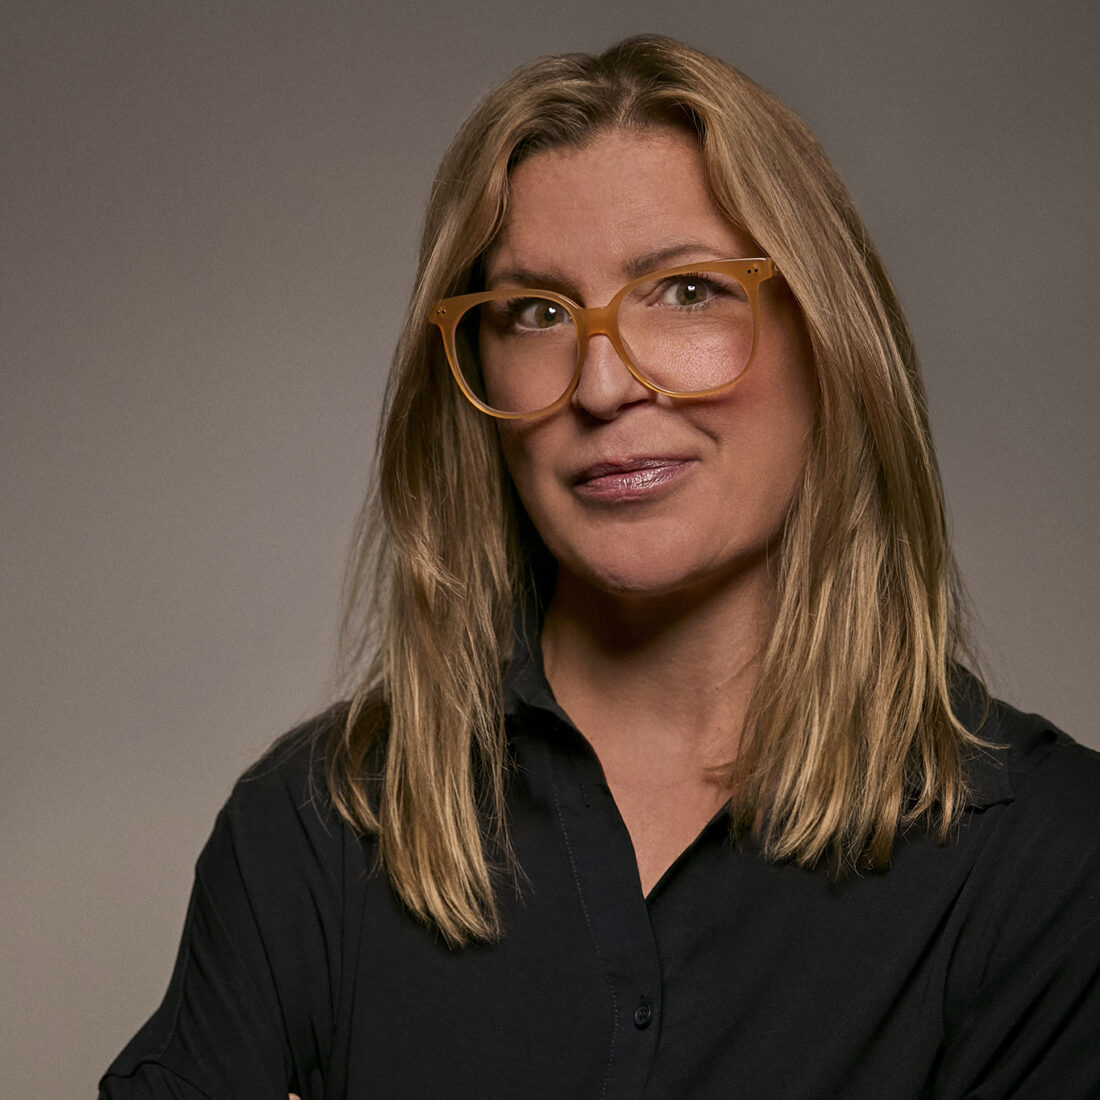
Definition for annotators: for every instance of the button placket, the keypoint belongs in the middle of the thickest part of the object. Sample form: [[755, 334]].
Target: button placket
[[606, 876]]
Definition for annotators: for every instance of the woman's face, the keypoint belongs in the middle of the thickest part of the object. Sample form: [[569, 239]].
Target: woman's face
[[635, 493]]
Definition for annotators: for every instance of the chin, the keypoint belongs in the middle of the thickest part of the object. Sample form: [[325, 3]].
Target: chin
[[626, 585], [633, 579], [633, 576]]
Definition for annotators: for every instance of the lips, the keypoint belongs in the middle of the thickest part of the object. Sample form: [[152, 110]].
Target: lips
[[629, 478]]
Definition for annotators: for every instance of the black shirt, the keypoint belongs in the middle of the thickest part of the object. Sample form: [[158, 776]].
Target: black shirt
[[965, 970]]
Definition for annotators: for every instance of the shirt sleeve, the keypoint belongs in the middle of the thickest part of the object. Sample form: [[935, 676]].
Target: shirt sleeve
[[1028, 1022], [249, 1009]]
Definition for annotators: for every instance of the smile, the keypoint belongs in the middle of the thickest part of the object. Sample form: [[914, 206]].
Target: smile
[[629, 479]]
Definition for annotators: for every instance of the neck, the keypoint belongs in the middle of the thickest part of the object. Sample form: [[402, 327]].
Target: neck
[[672, 673]]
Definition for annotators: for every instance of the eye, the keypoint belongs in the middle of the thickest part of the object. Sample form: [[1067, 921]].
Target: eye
[[687, 291], [695, 290], [536, 313]]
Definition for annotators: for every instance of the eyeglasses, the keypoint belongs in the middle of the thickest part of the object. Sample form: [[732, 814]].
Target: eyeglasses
[[688, 331]]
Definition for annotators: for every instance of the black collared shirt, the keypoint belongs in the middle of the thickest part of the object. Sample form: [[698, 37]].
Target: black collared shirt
[[966, 970]]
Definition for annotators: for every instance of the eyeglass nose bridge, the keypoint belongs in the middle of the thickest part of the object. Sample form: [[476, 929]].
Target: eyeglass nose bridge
[[602, 321]]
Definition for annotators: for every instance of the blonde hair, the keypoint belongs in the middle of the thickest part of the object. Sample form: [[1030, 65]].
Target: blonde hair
[[850, 733]]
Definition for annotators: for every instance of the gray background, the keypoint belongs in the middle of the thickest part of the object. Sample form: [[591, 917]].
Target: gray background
[[208, 228]]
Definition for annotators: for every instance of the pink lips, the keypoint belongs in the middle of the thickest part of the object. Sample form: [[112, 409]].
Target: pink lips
[[628, 479]]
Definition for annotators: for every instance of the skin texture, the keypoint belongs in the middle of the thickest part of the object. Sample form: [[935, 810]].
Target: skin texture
[[664, 595]]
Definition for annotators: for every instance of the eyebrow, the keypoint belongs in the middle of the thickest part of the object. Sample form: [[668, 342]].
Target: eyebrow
[[635, 267], [667, 256]]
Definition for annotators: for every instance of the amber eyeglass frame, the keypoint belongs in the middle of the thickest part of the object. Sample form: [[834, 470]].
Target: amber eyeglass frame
[[601, 321]]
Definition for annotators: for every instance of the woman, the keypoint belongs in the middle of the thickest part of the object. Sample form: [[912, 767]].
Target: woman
[[661, 775]]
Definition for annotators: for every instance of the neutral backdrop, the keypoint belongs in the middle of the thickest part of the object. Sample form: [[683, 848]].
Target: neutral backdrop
[[207, 235]]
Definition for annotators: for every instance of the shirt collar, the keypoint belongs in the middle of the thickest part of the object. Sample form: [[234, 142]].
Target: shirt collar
[[525, 683]]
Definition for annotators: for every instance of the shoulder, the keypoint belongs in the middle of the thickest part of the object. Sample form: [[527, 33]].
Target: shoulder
[[279, 817], [294, 764], [1050, 779], [1031, 832], [1034, 836], [1027, 762], [280, 857], [1024, 990]]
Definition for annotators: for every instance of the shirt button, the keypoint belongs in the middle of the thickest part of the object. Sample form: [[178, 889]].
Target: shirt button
[[643, 1015]]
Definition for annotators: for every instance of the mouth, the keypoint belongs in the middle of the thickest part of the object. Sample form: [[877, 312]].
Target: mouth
[[630, 478]]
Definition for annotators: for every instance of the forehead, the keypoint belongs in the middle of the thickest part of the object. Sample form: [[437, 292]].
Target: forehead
[[590, 212]]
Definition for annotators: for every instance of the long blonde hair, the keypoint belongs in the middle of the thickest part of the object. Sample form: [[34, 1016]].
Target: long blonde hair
[[850, 733]]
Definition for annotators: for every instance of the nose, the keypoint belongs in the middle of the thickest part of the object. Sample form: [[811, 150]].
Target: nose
[[606, 385]]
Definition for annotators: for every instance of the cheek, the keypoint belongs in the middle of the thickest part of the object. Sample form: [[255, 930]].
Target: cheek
[[513, 450], [529, 451], [520, 447], [791, 402], [767, 433]]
